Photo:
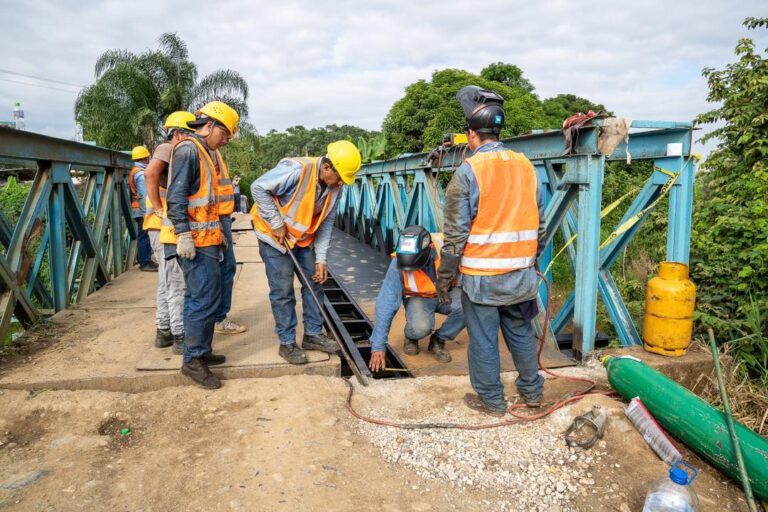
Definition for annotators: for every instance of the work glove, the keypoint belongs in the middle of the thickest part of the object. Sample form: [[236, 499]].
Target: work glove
[[185, 246], [446, 276]]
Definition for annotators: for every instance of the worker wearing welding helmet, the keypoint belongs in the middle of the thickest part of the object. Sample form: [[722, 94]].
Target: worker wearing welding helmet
[[410, 281], [494, 232]]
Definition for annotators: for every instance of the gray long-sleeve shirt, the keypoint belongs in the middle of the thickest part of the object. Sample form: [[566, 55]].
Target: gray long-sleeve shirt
[[281, 183], [462, 198]]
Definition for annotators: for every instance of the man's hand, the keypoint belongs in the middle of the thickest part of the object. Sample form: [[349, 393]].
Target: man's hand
[[185, 246], [446, 276], [321, 273], [280, 234], [378, 360]]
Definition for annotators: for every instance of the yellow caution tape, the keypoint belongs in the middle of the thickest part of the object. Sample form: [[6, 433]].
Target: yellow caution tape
[[629, 223]]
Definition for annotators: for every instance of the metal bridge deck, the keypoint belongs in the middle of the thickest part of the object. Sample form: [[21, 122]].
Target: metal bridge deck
[[106, 341]]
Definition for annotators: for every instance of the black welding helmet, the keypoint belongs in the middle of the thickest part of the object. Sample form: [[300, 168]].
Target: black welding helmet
[[413, 248], [484, 109]]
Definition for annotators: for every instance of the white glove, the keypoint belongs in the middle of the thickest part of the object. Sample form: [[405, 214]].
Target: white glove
[[185, 246]]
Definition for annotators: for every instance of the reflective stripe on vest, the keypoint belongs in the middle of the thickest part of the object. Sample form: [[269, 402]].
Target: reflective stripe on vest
[[134, 193], [152, 220], [225, 191], [202, 210], [298, 213], [503, 236]]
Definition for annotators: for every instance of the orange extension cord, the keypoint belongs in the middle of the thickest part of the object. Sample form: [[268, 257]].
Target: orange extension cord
[[518, 418]]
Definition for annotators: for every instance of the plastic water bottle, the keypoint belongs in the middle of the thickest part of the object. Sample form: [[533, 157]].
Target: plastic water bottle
[[18, 116], [673, 493]]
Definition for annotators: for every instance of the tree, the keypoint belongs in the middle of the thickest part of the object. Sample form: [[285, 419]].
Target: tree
[[133, 94], [428, 110], [562, 106], [373, 148], [507, 74], [730, 238]]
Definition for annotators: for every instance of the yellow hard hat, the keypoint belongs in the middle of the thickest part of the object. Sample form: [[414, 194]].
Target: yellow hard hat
[[345, 158], [179, 119], [139, 152], [222, 113]]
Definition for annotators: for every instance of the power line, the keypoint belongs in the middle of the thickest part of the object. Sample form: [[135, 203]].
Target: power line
[[38, 85], [40, 78]]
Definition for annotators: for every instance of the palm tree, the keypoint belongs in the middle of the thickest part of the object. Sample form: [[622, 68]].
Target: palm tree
[[134, 93]]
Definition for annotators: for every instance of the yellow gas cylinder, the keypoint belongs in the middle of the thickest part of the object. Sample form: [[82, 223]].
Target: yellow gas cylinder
[[669, 303]]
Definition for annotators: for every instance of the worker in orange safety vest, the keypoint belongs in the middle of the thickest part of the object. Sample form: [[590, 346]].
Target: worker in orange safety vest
[[494, 231], [410, 280]]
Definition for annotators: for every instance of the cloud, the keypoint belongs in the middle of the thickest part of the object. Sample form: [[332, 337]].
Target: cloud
[[316, 62]]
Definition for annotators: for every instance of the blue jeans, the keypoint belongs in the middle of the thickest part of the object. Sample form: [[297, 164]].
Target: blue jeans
[[202, 276], [483, 324], [280, 270], [228, 269], [143, 245], [420, 317]]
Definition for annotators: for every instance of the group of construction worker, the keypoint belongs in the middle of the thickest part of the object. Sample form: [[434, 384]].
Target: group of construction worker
[[480, 272]]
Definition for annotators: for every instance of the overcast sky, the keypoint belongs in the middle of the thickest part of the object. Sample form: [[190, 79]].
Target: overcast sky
[[314, 63]]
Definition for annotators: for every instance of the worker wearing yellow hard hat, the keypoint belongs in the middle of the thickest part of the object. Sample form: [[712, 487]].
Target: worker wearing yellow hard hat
[[194, 231], [138, 188], [169, 314], [222, 115], [295, 205]]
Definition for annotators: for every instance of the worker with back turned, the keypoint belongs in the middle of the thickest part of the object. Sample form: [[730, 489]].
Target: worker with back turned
[[494, 231]]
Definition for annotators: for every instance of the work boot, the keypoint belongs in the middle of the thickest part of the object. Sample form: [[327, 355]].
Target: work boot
[[437, 349], [198, 371], [319, 342], [293, 354], [149, 267], [163, 338], [178, 344], [476, 403], [227, 326], [410, 347], [212, 359]]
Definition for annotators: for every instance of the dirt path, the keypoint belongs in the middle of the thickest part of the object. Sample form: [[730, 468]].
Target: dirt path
[[267, 444]]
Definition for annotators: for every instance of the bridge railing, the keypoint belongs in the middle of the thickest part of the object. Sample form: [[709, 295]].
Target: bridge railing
[[391, 194], [75, 232]]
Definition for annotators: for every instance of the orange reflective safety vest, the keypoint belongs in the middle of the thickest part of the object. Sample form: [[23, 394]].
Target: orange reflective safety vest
[[503, 236], [153, 219], [225, 191], [134, 192], [299, 212], [417, 283], [202, 210]]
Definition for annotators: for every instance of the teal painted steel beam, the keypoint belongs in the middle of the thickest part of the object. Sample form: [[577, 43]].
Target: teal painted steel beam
[[22, 145], [58, 248], [587, 262]]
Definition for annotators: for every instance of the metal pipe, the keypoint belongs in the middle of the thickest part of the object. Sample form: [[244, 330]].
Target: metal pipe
[[731, 428], [305, 281]]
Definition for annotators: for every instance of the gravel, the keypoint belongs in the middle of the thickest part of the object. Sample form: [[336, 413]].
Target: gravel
[[528, 465]]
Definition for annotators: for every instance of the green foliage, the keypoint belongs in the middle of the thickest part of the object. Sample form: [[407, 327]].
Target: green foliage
[[133, 94], [428, 110], [12, 198], [563, 106], [507, 74], [372, 148], [729, 249]]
